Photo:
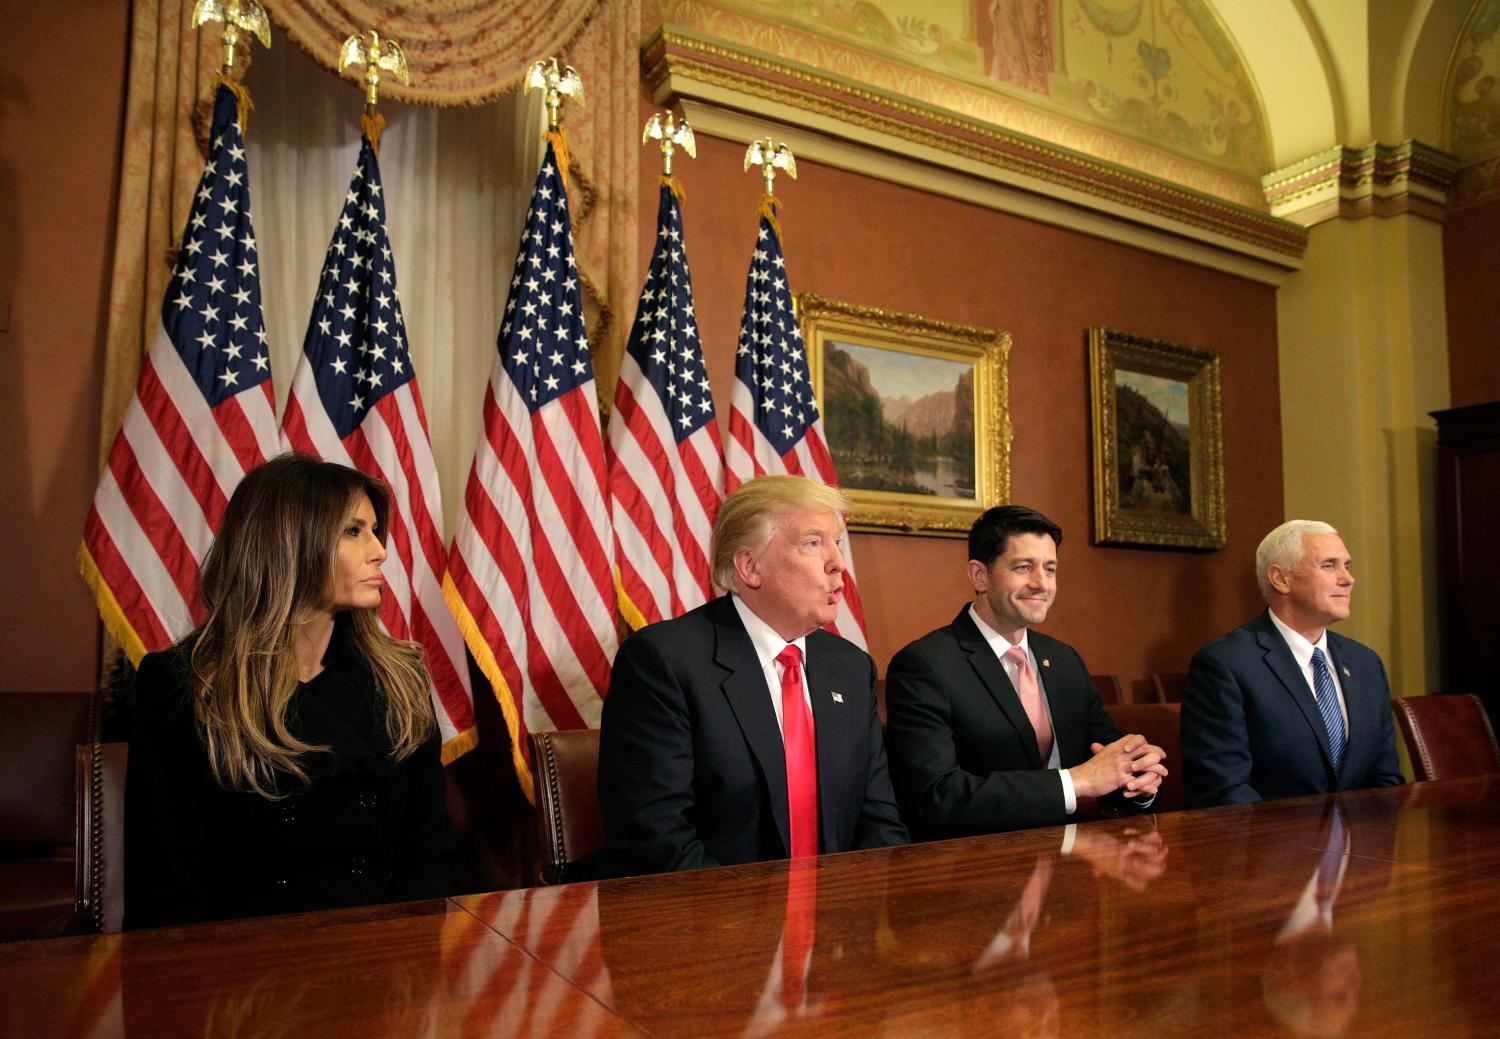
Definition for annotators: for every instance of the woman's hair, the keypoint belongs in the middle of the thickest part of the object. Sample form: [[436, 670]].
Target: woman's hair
[[747, 517], [268, 570]]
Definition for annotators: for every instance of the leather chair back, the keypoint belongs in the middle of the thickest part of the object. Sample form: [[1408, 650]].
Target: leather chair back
[[1169, 686], [99, 877], [1447, 736], [1160, 723], [569, 824], [1111, 688]]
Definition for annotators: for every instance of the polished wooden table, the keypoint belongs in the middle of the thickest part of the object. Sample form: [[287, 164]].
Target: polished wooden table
[[1374, 913]]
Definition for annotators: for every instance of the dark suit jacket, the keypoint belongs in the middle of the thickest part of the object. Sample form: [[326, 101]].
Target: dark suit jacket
[[1251, 728], [692, 771], [963, 753]]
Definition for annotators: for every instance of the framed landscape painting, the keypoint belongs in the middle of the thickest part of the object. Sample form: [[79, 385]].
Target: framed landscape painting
[[916, 414], [1158, 443]]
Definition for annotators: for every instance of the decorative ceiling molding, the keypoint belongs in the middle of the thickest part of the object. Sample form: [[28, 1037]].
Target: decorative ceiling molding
[[1352, 183], [715, 78]]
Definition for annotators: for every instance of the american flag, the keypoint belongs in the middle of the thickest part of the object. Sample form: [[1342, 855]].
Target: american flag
[[531, 572], [774, 424], [355, 401], [667, 465], [202, 415]]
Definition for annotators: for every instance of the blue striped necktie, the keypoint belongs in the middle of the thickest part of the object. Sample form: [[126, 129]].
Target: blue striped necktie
[[1328, 707]]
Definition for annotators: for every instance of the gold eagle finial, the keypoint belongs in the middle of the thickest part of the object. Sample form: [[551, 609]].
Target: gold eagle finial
[[770, 157], [556, 84], [238, 16], [376, 55], [660, 128]]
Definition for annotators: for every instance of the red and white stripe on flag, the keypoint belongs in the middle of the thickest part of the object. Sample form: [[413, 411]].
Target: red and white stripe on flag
[[774, 424], [666, 462], [531, 571], [201, 417], [355, 401], [392, 445]]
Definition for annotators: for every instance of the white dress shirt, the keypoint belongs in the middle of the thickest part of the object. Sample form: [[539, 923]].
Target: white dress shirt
[[1302, 652], [768, 646], [1001, 645]]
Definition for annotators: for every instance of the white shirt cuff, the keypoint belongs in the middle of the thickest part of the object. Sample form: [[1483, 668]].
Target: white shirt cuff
[[1070, 832], [1070, 799]]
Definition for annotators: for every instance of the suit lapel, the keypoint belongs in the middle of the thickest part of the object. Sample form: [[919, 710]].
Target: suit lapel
[[1278, 657], [831, 727], [745, 689], [990, 672]]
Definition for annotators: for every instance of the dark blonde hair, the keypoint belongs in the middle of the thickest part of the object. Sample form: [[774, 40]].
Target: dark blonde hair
[[271, 566], [746, 518]]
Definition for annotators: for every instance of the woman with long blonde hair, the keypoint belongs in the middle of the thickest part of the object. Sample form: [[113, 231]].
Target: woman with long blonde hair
[[283, 755]]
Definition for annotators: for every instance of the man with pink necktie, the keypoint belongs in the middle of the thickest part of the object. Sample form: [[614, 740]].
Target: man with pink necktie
[[742, 731], [993, 726]]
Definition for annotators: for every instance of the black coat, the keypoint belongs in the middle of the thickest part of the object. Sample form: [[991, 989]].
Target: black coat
[[692, 769], [963, 753], [366, 830]]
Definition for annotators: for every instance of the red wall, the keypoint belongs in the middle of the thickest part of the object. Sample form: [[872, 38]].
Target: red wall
[[1130, 611], [62, 88], [1471, 243], [853, 238]]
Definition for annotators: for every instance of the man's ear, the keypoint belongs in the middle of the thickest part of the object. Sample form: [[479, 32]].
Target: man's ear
[[1278, 579], [979, 576], [747, 569]]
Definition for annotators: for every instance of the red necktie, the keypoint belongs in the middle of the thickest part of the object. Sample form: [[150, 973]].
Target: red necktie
[[801, 756], [1031, 699]]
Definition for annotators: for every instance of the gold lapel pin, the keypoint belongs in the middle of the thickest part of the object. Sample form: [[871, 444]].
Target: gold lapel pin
[[1346, 672], [1046, 662], [837, 697]]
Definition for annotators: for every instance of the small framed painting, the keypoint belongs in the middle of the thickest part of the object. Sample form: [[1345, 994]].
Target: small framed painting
[[1158, 443]]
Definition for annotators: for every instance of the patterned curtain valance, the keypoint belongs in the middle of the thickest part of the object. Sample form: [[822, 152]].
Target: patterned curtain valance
[[459, 52]]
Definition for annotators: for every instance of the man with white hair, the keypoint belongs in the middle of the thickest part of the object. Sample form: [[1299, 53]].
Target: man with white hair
[[742, 731], [1282, 706]]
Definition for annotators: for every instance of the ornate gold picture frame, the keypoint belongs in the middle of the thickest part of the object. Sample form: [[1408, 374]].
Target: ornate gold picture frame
[[916, 412], [1158, 443]]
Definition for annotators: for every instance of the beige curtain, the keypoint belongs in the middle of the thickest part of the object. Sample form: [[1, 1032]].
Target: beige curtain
[[460, 52], [172, 70]]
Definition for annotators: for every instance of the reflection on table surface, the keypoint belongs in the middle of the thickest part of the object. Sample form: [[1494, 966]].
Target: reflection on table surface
[[1372, 913]]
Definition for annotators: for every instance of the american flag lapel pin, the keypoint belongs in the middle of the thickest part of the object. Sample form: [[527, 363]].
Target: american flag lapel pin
[[837, 697]]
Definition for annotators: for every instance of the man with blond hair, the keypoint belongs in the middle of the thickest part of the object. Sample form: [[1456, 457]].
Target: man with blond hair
[[742, 731], [1282, 706]]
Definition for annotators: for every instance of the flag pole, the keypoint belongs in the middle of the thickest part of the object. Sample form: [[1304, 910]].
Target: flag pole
[[239, 17], [770, 157], [660, 127], [375, 55], [556, 83]]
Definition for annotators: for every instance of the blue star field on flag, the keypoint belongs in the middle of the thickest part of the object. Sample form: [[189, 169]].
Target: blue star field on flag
[[212, 307], [770, 359], [542, 344], [664, 340], [356, 339]]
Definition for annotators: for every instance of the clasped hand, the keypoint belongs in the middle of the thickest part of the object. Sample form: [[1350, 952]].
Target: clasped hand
[[1129, 764]]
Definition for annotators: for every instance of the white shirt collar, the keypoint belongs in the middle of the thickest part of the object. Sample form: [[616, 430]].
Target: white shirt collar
[[768, 644], [1302, 650], [998, 642]]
